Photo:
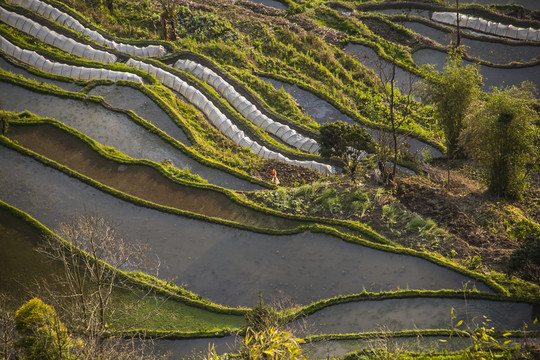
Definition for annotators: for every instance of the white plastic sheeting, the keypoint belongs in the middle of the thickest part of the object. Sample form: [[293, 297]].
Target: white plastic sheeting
[[52, 13], [485, 26], [246, 108], [76, 72], [218, 119], [52, 38]]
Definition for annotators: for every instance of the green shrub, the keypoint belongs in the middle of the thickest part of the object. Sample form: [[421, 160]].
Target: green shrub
[[43, 335]]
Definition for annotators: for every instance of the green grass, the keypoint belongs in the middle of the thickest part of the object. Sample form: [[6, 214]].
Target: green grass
[[162, 314]]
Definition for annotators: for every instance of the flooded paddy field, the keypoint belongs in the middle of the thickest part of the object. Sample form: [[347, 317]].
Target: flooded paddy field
[[491, 51], [124, 97], [422, 313], [140, 181], [491, 76], [226, 265], [114, 129]]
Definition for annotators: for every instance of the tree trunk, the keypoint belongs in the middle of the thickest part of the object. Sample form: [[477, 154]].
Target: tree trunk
[[393, 121], [164, 28], [458, 39]]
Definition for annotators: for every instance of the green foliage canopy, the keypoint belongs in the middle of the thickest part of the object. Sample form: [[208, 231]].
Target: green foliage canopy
[[452, 92], [348, 143], [503, 136], [43, 335]]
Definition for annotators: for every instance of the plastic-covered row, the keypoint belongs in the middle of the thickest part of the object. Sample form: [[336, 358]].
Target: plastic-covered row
[[52, 38], [52, 13], [488, 27], [247, 109], [218, 119], [75, 72]]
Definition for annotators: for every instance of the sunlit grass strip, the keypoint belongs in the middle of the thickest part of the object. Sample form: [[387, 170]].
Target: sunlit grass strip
[[508, 334]]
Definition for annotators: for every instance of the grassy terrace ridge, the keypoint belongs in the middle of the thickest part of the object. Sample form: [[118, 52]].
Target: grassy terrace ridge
[[312, 227], [188, 180], [416, 333]]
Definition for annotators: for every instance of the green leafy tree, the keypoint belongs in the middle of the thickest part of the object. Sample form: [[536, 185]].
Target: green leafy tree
[[503, 137], [452, 92], [43, 335], [348, 143]]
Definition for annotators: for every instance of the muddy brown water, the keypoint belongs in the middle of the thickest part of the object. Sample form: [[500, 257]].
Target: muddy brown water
[[127, 98], [4, 64], [141, 181], [494, 52], [491, 76], [227, 265], [113, 129], [422, 313], [322, 112]]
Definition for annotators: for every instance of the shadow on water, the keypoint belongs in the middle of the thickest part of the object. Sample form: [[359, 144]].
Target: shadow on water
[[227, 265], [141, 181], [124, 97], [113, 129], [422, 313], [491, 76], [494, 52]]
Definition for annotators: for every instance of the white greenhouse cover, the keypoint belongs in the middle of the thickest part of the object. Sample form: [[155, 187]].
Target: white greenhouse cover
[[68, 21], [489, 27], [247, 109], [52, 38], [76, 72], [218, 119]]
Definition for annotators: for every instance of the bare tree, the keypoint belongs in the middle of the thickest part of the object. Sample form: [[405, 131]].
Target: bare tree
[[399, 111], [8, 333], [92, 254]]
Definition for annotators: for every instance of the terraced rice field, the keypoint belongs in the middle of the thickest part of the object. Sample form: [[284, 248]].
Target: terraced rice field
[[119, 150]]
